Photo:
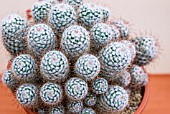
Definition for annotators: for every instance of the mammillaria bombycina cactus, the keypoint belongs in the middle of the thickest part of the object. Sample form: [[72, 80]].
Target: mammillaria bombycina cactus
[[87, 111], [101, 34], [123, 28], [51, 93], [99, 86], [114, 100], [14, 29], [147, 50], [27, 95], [75, 41], [54, 66], [139, 76], [115, 57], [87, 67], [90, 99], [76, 88], [59, 109], [75, 3], [75, 106], [9, 80], [24, 67], [79, 60], [89, 15], [61, 16], [40, 11], [41, 39]]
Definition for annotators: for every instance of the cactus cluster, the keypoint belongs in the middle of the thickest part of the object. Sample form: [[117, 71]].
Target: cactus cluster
[[74, 59]]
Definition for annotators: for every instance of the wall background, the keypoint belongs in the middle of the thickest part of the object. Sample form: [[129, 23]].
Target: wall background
[[144, 15]]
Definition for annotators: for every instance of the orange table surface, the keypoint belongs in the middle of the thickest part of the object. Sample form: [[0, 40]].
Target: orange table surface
[[159, 99]]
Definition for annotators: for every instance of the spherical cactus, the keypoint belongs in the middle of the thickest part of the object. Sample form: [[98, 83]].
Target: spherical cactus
[[114, 100], [59, 109], [54, 66], [123, 28], [105, 14], [75, 3], [75, 41], [9, 80], [116, 33], [75, 106], [87, 67], [115, 57], [51, 93], [76, 88], [61, 16], [41, 39], [90, 99], [99, 86], [87, 111], [24, 67], [89, 15], [138, 75], [13, 30], [147, 50], [101, 34], [131, 47], [27, 95], [40, 11]]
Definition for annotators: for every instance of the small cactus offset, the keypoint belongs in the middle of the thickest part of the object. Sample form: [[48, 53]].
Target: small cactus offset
[[74, 60]]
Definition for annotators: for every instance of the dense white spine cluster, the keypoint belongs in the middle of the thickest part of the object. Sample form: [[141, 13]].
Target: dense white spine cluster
[[51, 93], [114, 100], [146, 50], [54, 66], [115, 57], [9, 80], [41, 39], [14, 29], [75, 3], [76, 88], [75, 41], [24, 67], [99, 86], [101, 34], [87, 67], [27, 95], [61, 16], [138, 75], [59, 109], [75, 106], [40, 11], [87, 111], [90, 99]]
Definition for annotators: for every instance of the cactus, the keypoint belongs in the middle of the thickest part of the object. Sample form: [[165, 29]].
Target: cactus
[[41, 39], [24, 67], [54, 66], [114, 100], [89, 15], [27, 95], [146, 50], [61, 16], [75, 41], [115, 57], [75, 106], [101, 34], [77, 58], [9, 80], [59, 109], [76, 88], [87, 111], [87, 67], [139, 76], [51, 93], [14, 29], [40, 11], [99, 86], [90, 99]]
